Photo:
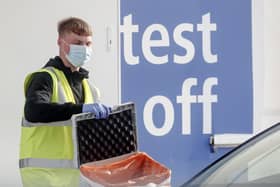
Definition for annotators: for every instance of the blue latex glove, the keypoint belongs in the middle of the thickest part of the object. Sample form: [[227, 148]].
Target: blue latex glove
[[100, 110]]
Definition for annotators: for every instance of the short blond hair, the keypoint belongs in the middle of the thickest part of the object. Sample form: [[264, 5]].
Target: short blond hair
[[75, 25]]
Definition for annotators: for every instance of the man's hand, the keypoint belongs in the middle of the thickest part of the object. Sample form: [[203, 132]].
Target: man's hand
[[100, 110]]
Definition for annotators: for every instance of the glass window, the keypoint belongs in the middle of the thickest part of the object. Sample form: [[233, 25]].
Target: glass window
[[255, 163]]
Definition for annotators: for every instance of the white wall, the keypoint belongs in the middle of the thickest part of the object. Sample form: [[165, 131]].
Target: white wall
[[28, 39], [258, 61], [271, 111]]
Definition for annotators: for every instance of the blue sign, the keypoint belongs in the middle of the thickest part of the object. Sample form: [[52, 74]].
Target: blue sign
[[188, 67]]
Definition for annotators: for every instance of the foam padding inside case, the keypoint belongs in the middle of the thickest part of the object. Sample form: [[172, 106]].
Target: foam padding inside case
[[100, 139]]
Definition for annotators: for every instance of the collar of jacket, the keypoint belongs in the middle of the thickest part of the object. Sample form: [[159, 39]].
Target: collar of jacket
[[57, 63]]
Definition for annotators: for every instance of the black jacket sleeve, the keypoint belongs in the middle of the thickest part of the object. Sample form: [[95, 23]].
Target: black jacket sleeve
[[38, 106]]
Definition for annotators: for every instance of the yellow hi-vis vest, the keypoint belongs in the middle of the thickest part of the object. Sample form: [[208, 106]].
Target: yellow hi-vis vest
[[49, 145]]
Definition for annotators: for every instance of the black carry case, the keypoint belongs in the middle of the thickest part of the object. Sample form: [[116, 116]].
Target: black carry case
[[106, 151]]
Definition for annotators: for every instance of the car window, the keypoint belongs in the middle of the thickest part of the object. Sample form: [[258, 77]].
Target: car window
[[257, 163], [262, 167]]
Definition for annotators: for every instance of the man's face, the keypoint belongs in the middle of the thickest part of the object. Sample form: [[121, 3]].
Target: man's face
[[72, 38]]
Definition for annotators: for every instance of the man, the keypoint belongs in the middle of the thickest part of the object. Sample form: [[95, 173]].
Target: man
[[53, 94]]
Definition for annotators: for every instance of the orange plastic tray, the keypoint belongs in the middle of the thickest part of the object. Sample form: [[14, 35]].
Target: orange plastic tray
[[135, 169]]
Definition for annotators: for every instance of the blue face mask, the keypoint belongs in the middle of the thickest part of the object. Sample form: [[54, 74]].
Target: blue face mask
[[78, 54]]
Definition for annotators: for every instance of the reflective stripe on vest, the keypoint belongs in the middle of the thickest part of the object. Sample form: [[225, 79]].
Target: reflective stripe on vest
[[26, 123], [45, 163], [50, 144]]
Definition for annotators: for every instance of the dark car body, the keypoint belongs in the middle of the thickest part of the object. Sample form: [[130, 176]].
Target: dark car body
[[255, 163]]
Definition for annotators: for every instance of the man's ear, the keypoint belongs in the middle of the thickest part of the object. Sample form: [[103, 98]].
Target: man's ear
[[59, 41]]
